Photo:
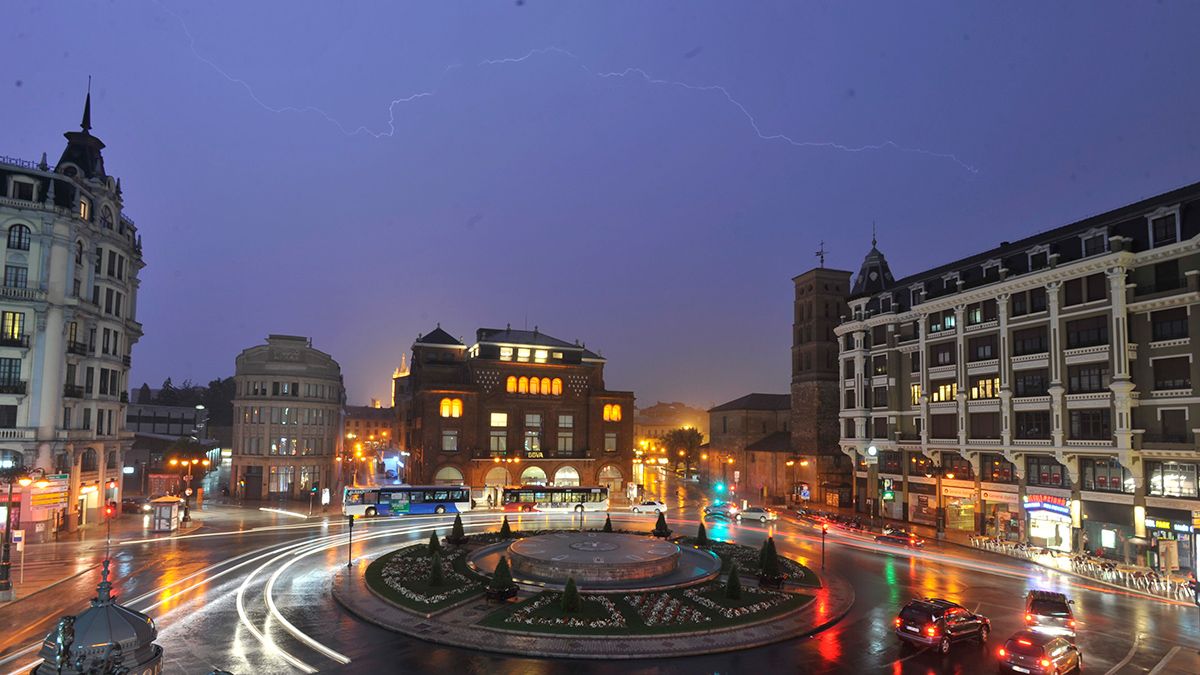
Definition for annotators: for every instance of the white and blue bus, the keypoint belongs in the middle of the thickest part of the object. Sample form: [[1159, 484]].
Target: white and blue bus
[[398, 500], [555, 499]]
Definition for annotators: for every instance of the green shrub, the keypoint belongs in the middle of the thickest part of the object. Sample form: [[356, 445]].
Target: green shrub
[[502, 577], [435, 545], [733, 585], [768, 564], [607, 523], [570, 597], [701, 536], [660, 527], [505, 530], [457, 534], [436, 575]]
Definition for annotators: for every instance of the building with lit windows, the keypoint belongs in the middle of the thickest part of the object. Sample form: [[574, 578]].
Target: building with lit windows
[[67, 329], [288, 420], [515, 407], [1039, 390]]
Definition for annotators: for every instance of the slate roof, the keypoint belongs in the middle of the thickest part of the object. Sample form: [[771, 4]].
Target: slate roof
[[757, 402], [437, 336], [780, 441]]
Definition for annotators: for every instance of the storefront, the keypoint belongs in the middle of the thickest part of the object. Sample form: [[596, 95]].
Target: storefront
[[1172, 540], [1049, 521], [960, 508], [1001, 513], [1108, 525], [922, 503], [891, 498]]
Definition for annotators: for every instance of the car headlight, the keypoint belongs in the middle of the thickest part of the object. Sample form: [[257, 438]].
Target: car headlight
[[145, 507]]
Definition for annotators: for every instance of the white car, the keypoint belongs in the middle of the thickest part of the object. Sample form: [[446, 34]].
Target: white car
[[649, 507], [759, 513]]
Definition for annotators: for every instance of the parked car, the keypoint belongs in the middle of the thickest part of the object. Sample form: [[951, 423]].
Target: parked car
[[1049, 612], [939, 623], [649, 506], [760, 513], [136, 505], [1031, 652], [720, 510], [909, 540]]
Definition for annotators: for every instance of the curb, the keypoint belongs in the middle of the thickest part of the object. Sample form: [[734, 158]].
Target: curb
[[656, 646]]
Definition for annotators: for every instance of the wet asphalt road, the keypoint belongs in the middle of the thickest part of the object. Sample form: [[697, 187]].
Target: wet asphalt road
[[192, 587]]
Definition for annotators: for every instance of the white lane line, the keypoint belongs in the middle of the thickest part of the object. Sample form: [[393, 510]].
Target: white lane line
[[1128, 657], [1165, 660], [264, 640]]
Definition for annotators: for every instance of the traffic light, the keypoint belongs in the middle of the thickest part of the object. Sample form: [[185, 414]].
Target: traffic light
[[316, 488], [109, 510], [719, 487]]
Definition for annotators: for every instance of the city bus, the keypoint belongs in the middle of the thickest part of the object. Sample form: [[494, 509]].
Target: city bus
[[398, 500], [554, 499]]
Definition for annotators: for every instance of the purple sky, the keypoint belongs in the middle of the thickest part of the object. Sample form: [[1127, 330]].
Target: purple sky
[[657, 214]]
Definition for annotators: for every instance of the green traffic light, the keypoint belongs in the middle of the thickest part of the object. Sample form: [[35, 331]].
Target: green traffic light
[[720, 487]]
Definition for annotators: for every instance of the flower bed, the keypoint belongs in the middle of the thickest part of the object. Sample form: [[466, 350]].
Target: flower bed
[[746, 559], [403, 577], [712, 597], [665, 609], [595, 612]]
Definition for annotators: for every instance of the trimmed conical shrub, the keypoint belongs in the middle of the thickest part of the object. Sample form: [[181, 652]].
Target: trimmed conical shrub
[[733, 585], [608, 523], [701, 536], [435, 545], [458, 536], [502, 577], [505, 530], [660, 527], [769, 563], [436, 575], [570, 597]]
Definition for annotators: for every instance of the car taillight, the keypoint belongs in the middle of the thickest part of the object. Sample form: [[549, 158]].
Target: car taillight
[[898, 622], [1071, 623], [1028, 618], [931, 630], [1045, 663], [1003, 653]]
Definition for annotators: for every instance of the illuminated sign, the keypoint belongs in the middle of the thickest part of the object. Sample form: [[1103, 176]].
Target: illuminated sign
[[1159, 524], [887, 489], [1048, 504]]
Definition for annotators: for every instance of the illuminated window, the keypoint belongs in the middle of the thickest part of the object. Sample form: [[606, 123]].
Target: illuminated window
[[85, 209], [444, 409], [523, 385], [506, 353], [540, 355], [557, 355], [612, 413], [556, 386], [616, 413], [499, 419], [523, 355], [546, 386], [608, 412], [944, 392], [456, 407], [987, 387], [510, 385], [916, 394], [535, 385]]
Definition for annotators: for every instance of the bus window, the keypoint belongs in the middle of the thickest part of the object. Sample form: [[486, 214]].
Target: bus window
[[416, 497], [354, 497], [371, 497], [441, 496]]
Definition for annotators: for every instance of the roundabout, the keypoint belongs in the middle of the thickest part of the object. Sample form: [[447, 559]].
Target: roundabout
[[591, 594]]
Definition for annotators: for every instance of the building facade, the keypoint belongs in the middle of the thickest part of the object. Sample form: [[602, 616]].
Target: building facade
[[750, 447], [1041, 390], [68, 308], [515, 407], [821, 473], [288, 420], [660, 419]]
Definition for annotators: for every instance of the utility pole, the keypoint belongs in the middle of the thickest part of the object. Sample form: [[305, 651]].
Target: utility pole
[[349, 541]]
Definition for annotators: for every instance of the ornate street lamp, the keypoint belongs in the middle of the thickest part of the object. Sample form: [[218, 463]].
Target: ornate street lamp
[[21, 476]]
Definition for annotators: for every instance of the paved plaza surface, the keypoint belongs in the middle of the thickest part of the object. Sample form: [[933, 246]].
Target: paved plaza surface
[[250, 592]]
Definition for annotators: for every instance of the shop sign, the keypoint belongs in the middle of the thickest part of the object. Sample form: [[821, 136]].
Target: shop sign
[[966, 493], [995, 496], [887, 489], [49, 499], [1049, 504], [1158, 524], [1195, 519]]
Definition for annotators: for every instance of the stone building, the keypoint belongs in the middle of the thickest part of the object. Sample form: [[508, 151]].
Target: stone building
[[288, 420], [1038, 390], [515, 407], [658, 420], [68, 308], [750, 446]]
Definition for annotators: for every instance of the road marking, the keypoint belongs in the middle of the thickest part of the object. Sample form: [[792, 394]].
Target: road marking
[[1128, 657], [1165, 660]]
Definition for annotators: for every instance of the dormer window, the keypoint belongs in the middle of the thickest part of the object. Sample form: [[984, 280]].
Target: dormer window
[[991, 270], [916, 296], [540, 356], [1164, 229], [85, 208], [23, 189], [1094, 244], [106, 217], [506, 353], [523, 355], [1038, 258]]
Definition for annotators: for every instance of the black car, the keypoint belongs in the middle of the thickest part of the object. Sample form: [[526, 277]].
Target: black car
[[720, 510], [938, 623], [1038, 652], [135, 505]]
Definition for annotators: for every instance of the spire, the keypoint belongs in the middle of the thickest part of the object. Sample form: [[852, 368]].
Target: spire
[[873, 242], [104, 590], [874, 275], [86, 124]]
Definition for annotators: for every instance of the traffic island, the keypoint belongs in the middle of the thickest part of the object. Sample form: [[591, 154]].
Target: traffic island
[[707, 614]]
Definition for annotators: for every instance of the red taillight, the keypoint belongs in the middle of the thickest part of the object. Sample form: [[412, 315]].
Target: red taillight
[[931, 630], [1003, 653], [1071, 623], [1028, 618], [1023, 641], [1045, 663], [897, 622]]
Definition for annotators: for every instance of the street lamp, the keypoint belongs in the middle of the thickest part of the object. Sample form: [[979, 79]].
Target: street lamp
[[13, 474]]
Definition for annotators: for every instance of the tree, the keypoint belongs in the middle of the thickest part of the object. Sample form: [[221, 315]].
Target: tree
[[144, 396], [505, 530], [167, 394], [733, 585], [660, 527], [218, 400], [608, 523], [570, 597], [768, 562], [437, 576], [684, 439], [458, 537], [701, 536], [502, 577], [435, 546]]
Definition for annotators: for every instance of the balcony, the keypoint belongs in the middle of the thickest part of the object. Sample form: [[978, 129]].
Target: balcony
[[21, 341], [126, 359], [77, 348], [1157, 438], [1160, 286], [18, 434], [1086, 354], [72, 391], [13, 387], [17, 293]]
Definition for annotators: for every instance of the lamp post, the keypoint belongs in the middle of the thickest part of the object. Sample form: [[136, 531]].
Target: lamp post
[[824, 531], [187, 496], [10, 475]]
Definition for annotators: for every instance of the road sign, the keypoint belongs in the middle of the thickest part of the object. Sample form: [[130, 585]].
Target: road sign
[[324, 496], [805, 492], [18, 538], [188, 492]]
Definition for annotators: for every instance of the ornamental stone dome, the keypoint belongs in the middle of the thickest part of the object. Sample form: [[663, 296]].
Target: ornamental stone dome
[[105, 639]]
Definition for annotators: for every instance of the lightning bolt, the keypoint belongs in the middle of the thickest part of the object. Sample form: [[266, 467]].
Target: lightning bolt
[[637, 73]]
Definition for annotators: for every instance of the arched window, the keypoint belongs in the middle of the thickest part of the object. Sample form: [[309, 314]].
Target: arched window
[[616, 413], [546, 386], [79, 253], [523, 385], [111, 462], [510, 385], [535, 385], [607, 412], [18, 237], [444, 408], [89, 462], [533, 476], [567, 476], [106, 217], [456, 407], [556, 386], [610, 477], [448, 475]]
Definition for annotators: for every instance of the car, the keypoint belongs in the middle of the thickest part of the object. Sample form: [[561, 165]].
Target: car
[[938, 623], [136, 505], [720, 510], [1028, 651], [390, 474], [1049, 612], [649, 506], [760, 513], [909, 540]]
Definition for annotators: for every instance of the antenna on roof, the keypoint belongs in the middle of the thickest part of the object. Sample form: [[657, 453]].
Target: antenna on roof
[[821, 252]]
